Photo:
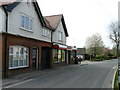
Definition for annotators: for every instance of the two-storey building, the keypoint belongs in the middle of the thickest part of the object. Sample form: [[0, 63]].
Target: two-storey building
[[25, 39], [59, 35]]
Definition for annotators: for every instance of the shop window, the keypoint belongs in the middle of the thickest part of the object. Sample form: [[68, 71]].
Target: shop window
[[63, 55], [18, 57], [59, 56]]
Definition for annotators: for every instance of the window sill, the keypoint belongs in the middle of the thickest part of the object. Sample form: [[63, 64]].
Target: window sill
[[60, 40], [20, 67], [26, 30], [46, 36]]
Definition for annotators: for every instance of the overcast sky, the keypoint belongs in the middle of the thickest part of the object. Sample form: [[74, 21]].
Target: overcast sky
[[83, 17]]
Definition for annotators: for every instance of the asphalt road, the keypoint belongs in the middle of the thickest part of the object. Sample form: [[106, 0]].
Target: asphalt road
[[87, 75]]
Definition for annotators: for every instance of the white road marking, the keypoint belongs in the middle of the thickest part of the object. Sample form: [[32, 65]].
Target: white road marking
[[108, 76], [114, 67], [19, 83], [114, 76]]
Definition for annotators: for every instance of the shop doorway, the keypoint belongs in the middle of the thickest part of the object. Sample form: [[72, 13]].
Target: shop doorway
[[69, 57], [46, 53]]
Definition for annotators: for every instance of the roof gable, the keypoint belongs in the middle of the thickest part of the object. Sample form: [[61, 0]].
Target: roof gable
[[10, 6], [6, 2], [54, 21]]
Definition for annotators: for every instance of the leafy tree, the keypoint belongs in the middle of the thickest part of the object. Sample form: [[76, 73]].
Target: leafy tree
[[94, 45]]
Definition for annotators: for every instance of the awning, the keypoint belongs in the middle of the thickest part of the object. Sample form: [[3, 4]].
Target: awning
[[74, 49], [59, 46], [71, 48]]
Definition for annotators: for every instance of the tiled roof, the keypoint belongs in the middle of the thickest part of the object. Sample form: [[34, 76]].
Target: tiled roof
[[53, 20], [48, 24], [6, 2]]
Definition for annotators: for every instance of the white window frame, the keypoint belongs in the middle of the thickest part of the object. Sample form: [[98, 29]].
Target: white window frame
[[19, 54], [26, 27], [60, 36], [46, 32]]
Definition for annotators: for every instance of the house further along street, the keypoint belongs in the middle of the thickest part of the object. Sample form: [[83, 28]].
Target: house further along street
[[85, 75]]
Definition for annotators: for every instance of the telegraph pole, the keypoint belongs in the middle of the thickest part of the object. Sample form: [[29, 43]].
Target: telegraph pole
[[119, 44]]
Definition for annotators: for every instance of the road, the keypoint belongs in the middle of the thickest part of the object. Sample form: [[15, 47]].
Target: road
[[87, 75]]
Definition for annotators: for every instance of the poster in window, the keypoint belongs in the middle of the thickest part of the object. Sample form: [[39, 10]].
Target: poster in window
[[59, 55], [63, 56]]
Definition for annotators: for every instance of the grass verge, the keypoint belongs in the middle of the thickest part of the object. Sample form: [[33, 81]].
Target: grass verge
[[116, 81]]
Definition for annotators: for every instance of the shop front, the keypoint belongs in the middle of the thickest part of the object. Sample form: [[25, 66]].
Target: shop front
[[72, 52], [59, 55]]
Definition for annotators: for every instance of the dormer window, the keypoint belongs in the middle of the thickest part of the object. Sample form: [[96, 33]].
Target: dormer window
[[26, 22]]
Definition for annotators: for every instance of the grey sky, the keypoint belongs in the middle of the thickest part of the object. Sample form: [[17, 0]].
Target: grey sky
[[83, 17]]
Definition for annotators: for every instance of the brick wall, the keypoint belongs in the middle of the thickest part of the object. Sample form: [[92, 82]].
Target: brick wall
[[27, 42]]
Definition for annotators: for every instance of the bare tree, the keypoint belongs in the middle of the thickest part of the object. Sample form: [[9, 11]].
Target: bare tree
[[115, 35], [94, 45]]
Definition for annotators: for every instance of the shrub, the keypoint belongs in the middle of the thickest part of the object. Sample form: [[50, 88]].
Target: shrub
[[99, 57]]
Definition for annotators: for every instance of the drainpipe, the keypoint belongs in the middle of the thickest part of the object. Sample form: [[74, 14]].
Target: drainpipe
[[51, 49], [5, 43]]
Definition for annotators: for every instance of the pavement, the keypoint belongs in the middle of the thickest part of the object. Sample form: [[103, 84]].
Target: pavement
[[33, 74]]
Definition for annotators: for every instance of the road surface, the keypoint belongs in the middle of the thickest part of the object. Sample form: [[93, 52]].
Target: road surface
[[87, 75]]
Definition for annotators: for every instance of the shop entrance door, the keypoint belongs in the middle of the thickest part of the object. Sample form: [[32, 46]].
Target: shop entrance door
[[69, 57], [46, 58]]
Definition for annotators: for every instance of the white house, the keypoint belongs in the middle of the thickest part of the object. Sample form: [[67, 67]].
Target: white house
[[25, 38], [59, 35]]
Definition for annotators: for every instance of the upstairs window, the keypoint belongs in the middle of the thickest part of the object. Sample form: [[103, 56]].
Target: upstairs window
[[46, 32], [26, 22], [60, 36]]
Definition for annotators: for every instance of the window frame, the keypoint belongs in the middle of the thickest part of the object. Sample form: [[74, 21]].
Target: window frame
[[46, 32], [19, 55], [60, 36], [27, 20]]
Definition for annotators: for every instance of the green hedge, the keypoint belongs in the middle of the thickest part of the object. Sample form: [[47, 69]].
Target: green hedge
[[102, 57]]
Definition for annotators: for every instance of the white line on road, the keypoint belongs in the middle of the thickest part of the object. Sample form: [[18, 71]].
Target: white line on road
[[19, 83], [114, 67], [108, 76], [114, 76]]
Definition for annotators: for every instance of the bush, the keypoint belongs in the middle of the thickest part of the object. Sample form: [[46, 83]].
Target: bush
[[116, 86], [99, 57], [92, 59], [103, 57]]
